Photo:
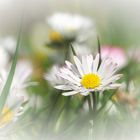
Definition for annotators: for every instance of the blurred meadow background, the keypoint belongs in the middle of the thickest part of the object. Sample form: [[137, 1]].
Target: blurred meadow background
[[45, 114]]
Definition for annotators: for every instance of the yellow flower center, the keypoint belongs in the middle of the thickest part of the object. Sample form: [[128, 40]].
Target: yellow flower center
[[90, 81], [6, 116], [55, 36]]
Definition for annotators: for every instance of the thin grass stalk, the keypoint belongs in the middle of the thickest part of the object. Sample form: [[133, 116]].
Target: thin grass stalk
[[9, 80]]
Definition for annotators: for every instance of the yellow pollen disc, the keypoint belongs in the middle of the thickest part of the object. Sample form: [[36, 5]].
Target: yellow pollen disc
[[6, 116], [55, 36], [90, 81]]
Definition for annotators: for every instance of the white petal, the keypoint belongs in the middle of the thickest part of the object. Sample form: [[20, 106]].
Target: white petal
[[72, 67], [115, 85], [89, 59], [102, 66], [70, 74], [69, 93], [84, 65], [84, 93], [78, 65], [95, 64], [111, 80], [63, 87], [66, 77]]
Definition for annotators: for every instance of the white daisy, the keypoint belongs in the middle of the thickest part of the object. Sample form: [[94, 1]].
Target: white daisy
[[84, 76], [21, 78], [69, 27], [16, 97], [12, 109]]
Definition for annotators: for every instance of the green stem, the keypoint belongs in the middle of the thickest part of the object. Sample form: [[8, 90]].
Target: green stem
[[67, 53], [99, 51], [73, 51], [94, 102], [89, 103], [127, 81], [90, 135]]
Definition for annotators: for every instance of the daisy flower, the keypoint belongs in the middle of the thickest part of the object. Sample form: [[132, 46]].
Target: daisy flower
[[16, 97], [12, 109], [69, 28], [87, 76]]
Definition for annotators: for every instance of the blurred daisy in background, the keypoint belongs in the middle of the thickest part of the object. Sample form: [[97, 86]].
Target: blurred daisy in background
[[22, 77], [86, 75], [17, 95], [68, 28], [12, 109], [116, 54]]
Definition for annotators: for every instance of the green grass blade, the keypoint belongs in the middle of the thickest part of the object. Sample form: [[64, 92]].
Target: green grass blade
[[99, 50], [8, 83], [73, 51]]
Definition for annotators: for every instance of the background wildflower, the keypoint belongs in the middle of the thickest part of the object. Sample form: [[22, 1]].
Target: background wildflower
[[116, 54], [66, 28]]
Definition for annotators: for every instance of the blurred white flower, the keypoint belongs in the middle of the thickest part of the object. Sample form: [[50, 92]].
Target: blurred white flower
[[12, 109], [17, 95], [84, 76], [23, 74], [69, 27], [116, 54]]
